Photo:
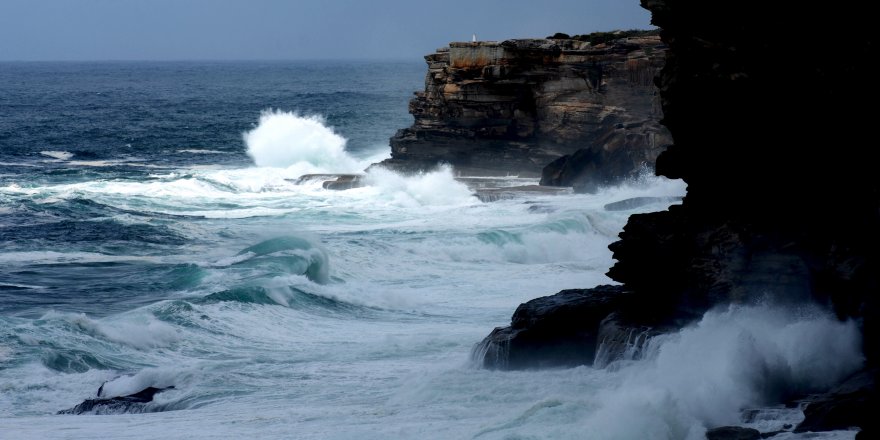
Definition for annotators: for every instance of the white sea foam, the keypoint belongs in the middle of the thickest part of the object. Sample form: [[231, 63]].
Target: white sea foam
[[53, 257], [21, 286], [59, 155], [437, 187], [16, 164], [200, 151], [733, 359], [97, 163], [134, 329]]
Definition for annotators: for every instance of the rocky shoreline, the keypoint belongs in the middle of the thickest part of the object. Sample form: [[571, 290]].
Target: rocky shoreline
[[789, 215]]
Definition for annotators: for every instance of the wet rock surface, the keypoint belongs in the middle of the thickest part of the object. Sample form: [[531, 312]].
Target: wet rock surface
[[132, 403], [552, 331], [732, 433], [848, 405]]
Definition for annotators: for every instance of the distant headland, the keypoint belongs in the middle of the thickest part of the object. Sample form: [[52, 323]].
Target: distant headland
[[587, 104]]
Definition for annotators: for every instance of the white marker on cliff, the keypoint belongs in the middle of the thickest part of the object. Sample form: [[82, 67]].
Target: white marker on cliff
[[474, 38]]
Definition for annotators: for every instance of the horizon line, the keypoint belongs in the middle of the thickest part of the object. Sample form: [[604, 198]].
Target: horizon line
[[203, 60]]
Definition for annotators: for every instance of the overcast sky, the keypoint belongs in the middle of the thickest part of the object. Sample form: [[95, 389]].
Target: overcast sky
[[286, 29]]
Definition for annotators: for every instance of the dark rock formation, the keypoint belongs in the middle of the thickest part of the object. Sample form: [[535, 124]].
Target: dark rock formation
[[552, 331], [343, 182], [132, 403], [866, 434], [622, 338], [638, 202], [588, 169], [783, 201], [513, 107], [793, 211], [850, 404], [573, 327], [512, 192], [336, 182], [733, 433]]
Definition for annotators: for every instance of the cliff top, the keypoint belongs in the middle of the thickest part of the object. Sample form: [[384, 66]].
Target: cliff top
[[593, 39], [563, 43], [597, 38]]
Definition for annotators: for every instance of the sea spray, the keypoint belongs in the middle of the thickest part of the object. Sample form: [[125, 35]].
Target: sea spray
[[304, 145], [437, 187], [283, 139], [733, 359]]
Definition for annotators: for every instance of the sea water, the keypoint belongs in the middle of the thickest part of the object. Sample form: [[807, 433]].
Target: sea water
[[154, 232]]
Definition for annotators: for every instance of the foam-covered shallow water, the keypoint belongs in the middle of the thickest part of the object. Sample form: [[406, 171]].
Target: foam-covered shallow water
[[284, 310]]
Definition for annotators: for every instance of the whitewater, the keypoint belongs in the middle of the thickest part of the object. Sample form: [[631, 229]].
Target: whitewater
[[279, 309]]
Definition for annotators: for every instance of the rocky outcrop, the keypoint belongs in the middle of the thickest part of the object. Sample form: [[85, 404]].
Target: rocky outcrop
[[849, 404], [337, 182], [783, 201], [514, 192], [510, 108], [552, 331], [132, 403], [573, 327], [586, 170], [638, 202], [733, 433]]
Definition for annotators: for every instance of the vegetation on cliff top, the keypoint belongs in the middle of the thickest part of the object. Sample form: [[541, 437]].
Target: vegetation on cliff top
[[602, 37]]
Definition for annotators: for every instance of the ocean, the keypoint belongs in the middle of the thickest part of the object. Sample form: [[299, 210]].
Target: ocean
[[155, 232]]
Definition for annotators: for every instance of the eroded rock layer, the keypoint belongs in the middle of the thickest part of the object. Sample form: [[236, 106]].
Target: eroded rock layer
[[513, 107]]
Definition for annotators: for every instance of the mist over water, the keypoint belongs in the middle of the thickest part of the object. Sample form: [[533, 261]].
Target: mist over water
[[279, 309]]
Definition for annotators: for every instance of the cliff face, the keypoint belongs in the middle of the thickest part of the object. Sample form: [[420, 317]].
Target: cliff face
[[513, 107], [783, 202], [782, 195]]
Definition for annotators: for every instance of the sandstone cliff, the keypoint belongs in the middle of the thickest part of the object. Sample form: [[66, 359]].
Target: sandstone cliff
[[513, 107]]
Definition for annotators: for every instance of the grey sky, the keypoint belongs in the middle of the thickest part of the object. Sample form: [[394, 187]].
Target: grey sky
[[286, 29]]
